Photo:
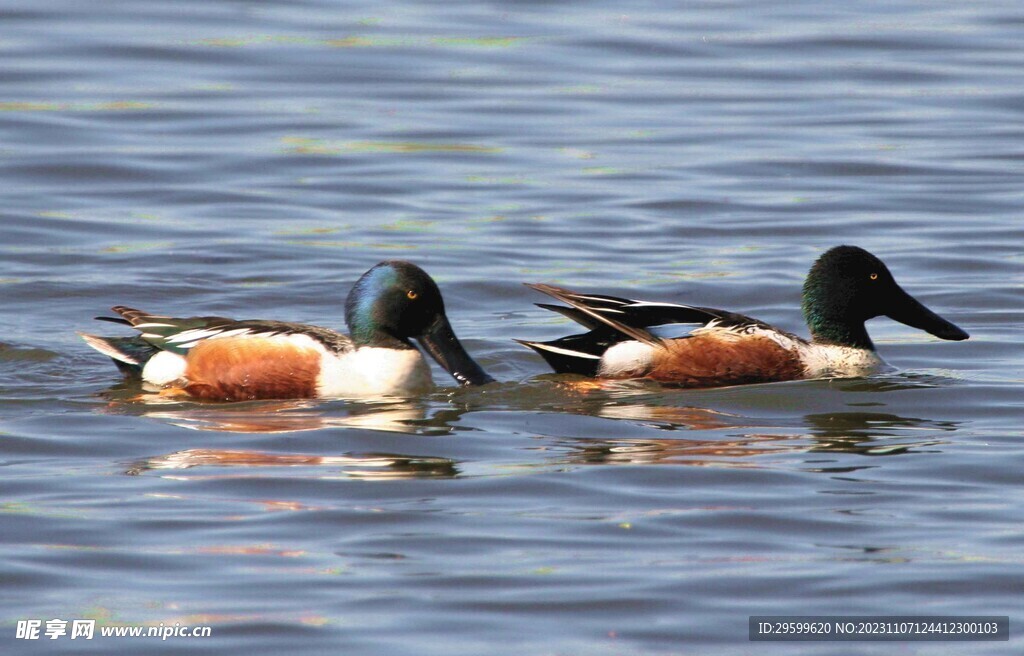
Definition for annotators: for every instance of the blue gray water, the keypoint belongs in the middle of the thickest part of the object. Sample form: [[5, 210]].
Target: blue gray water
[[251, 159]]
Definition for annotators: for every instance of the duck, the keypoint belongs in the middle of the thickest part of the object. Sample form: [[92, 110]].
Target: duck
[[217, 358], [699, 347]]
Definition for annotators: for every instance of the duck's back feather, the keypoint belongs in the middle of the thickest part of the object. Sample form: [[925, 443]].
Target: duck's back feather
[[615, 321]]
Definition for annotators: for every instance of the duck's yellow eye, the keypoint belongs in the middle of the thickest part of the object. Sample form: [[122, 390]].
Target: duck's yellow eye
[[874, 276], [411, 294]]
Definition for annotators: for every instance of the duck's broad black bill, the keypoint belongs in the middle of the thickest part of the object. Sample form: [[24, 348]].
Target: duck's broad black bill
[[908, 310], [441, 343]]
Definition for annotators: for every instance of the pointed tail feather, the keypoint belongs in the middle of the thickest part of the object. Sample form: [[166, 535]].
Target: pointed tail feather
[[130, 354], [577, 302], [119, 320], [572, 313], [565, 360], [134, 317]]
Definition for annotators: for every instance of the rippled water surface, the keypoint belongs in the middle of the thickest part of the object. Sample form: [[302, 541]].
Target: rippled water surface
[[253, 158]]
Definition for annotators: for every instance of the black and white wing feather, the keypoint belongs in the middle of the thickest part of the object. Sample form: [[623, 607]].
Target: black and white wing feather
[[611, 319], [178, 335]]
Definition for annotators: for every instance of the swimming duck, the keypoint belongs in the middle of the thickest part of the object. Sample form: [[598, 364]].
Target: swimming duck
[[224, 359], [846, 286]]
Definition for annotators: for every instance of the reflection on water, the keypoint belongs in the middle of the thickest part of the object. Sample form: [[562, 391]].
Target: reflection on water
[[892, 382], [283, 416], [289, 419], [705, 436], [719, 438], [861, 433], [375, 466], [874, 434], [668, 417], [643, 403], [700, 453]]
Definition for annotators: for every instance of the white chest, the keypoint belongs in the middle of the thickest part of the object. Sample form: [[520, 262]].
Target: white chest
[[828, 361], [370, 371]]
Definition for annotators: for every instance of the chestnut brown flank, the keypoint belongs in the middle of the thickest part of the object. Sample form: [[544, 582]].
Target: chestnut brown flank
[[713, 361], [246, 368]]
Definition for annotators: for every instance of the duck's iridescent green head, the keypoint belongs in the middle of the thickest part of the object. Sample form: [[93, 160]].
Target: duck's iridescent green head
[[847, 286], [396, 301]]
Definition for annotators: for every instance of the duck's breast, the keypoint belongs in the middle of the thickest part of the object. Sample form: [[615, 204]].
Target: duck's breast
[[373, 371]]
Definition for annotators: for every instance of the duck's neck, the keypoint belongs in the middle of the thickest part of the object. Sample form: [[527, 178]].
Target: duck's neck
[[830, 327], [841, 334], [365, 333], [385, 341]]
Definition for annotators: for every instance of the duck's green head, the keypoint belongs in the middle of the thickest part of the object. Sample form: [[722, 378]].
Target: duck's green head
[[847, 286], [396, 301]]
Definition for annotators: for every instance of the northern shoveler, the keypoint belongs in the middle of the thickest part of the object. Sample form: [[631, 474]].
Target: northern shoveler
[[224, 359], [633, 339]]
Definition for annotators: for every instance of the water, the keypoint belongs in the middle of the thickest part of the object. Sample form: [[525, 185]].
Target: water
[[252, 159]]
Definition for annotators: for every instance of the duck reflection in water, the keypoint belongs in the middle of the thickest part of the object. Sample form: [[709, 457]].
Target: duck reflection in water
[[419, 416], [745, 442], [875, 433], [367, 466]]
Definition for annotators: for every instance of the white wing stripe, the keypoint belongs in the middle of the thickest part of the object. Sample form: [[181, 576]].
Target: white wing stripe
[[636, 304], [575, 354], [237, 332], [601, 299], [191, 335]]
